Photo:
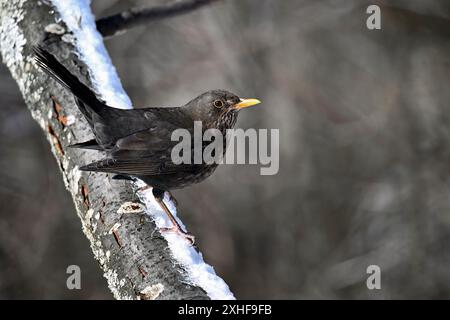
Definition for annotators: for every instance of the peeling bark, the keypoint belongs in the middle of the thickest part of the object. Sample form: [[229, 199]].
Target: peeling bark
[[132, 253]]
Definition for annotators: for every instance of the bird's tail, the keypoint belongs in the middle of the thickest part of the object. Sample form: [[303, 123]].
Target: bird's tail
[[87, 101]]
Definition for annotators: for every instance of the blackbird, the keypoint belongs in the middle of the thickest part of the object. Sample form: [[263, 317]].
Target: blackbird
[[138, 142]]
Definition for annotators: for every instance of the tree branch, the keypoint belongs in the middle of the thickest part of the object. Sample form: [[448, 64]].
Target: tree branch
[[121, 22], [137, 261]]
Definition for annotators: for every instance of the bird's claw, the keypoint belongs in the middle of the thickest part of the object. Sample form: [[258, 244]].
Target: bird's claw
[[188, 236]]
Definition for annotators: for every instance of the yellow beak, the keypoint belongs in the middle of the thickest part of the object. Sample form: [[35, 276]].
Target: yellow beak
[[245, 103]]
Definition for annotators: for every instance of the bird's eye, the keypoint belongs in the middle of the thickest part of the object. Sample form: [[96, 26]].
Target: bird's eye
[[218, 104]]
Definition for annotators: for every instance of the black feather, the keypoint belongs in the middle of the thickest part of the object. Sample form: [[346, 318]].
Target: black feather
[[60, 73], [91, 144], [122, 177], [134, 167]]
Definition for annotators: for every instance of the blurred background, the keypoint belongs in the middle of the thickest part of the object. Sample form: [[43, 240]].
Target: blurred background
[[364, 174]]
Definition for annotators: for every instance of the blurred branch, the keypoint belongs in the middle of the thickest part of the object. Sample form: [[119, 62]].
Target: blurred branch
[[135, 258], [413, 22], [121, 22]]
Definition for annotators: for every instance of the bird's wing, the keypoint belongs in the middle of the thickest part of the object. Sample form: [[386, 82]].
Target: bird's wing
[[139, 128], [143, 143], [155, 140], [137, 167]]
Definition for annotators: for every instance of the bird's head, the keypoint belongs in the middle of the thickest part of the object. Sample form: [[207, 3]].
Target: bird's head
[[218, 108]]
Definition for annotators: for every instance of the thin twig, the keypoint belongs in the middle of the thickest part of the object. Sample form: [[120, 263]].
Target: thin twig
[[121, 22]]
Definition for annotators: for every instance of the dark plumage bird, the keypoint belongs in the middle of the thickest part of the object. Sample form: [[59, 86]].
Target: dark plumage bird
[[138, 141]]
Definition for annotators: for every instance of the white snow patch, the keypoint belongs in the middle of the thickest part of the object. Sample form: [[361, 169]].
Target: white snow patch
[[70, 120], [76, 176], [79, 19], [199, 273], [12, 39]]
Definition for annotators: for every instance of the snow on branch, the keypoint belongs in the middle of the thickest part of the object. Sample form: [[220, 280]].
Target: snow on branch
[[138, 262], [121, 22]]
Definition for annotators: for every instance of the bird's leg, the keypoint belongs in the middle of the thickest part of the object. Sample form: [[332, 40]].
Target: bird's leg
[[159, 196]]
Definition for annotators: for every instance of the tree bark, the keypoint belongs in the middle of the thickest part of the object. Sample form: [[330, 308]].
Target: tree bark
[[131, 251]]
